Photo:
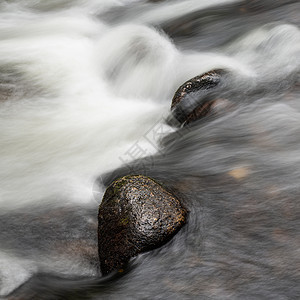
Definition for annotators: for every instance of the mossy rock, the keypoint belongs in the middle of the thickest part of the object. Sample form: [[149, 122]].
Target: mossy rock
[[136, 215]]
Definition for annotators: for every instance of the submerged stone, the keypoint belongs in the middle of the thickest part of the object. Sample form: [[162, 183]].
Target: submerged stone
[[136, 215]]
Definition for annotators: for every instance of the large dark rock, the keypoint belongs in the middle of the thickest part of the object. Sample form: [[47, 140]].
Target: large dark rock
[[136, 215], [198, 97]]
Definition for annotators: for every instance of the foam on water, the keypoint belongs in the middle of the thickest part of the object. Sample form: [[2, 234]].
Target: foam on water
[[92, 91], [74, 125]]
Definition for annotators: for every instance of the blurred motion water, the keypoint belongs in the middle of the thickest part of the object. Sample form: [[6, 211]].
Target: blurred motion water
[[85, 90]]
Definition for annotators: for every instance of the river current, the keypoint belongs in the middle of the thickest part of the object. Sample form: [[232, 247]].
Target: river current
[[85, 95]]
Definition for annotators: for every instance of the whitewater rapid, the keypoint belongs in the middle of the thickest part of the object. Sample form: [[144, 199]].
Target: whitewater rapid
[[84, 93]]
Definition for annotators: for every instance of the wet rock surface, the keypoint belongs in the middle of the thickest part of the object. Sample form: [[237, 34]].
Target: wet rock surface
[[136, 215], [194, 100], [202, 82]]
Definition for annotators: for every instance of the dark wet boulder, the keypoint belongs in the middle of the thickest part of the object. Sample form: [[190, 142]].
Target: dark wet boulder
[[201, 82], [136, 215], [199, 97]]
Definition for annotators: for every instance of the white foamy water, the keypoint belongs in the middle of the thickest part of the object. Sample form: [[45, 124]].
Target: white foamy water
[[90, 92], [79, 94], [72, 123]]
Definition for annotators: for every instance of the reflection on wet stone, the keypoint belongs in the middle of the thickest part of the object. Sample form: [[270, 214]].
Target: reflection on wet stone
[[193, 100], [136, 215]]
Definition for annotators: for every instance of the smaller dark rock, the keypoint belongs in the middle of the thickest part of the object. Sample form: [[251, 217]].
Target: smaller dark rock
[[198, 97], [136, 215], [202, 82]]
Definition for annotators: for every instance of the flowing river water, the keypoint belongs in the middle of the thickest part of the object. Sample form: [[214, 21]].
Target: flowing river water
[[85, 95]]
